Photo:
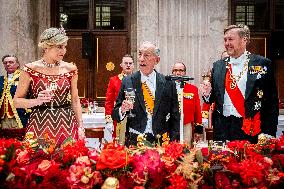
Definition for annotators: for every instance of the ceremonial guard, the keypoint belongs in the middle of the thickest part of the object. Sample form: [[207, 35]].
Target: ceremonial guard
[[191, 105], [111, 95], [13, 120]]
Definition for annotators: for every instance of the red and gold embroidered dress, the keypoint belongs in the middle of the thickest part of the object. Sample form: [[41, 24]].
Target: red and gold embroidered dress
[[61, 122]]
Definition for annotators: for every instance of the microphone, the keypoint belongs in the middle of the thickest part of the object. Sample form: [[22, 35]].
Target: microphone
[[178, 78]]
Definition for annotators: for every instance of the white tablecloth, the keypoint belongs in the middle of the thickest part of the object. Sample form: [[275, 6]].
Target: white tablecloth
[[280, 126], [96, 120]]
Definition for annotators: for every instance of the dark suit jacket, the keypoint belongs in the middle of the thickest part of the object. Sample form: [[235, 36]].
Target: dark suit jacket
[[166, 112], [269, 101]]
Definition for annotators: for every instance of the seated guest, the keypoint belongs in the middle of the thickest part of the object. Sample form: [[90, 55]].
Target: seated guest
[[191, 105], [155, 106], [13, 120]]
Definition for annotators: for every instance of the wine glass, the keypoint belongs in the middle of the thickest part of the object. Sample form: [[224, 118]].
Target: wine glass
[[51, 87], [95, 107], [130, 97]]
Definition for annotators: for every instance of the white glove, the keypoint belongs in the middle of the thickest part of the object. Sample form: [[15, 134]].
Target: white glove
[[110, 127], [108, 131]]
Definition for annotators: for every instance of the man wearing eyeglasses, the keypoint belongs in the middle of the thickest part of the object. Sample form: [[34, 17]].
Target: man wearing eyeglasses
[[191, 105], [127, 66], [244, 91], [13, 121], [155, 106]]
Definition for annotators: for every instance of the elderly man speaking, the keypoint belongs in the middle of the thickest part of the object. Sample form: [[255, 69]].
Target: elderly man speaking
[[153, 110]]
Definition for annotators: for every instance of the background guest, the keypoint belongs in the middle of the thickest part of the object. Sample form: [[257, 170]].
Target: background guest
[[191, 105], [114, 84], [13, 121]]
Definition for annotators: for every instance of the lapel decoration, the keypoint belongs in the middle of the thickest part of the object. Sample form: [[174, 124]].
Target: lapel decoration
[[168, 117], [260, 93], [258, 70], [257, 105]]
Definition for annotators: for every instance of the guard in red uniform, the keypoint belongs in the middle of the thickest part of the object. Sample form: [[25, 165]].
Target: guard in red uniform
[[191, 105], [112, 92]]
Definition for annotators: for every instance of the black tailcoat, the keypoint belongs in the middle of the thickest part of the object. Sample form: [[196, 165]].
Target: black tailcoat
[[256, 82], [166, 112]]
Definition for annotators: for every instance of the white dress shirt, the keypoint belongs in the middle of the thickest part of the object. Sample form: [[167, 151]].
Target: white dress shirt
[[237, 65], [151, 82]]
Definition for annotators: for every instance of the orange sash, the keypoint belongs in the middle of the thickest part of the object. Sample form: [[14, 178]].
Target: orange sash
[[251, 126], [148, 98]]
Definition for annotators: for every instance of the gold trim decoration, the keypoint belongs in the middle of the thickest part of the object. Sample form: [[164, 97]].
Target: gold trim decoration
[[120, 76], [110, 66], [8, 99], [260, 93], [188, 95]]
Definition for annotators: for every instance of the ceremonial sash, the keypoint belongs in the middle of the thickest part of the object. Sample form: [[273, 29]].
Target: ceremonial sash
[[148, 98], [251, 126], [235, 93]]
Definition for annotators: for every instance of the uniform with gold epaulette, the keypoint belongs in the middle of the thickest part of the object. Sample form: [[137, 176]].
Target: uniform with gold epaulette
[[13, 120], [111, 95]]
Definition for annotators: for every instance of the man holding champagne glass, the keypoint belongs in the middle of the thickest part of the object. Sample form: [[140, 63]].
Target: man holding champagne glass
[[154, 110]]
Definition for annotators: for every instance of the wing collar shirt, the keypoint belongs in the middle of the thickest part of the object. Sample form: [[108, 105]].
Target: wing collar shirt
[[237, 67], [151, 82], [10, 76]]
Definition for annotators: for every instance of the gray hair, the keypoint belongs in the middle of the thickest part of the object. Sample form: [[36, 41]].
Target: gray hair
[[52, 37], [147, 45]]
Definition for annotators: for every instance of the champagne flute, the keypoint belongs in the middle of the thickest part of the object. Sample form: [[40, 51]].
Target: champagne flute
[[95, 107], [51, 87], [130, 97]]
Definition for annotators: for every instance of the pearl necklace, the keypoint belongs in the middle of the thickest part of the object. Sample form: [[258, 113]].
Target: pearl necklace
[[50, 65]]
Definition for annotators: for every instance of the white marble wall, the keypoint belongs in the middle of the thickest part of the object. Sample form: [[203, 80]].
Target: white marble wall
[[185, 30], [20, 22]]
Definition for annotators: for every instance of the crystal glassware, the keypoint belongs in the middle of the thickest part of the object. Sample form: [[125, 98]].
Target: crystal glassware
[[52, 86], [130, 97]]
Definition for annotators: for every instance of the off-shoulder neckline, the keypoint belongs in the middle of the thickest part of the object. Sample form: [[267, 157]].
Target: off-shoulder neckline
[[50, 74]]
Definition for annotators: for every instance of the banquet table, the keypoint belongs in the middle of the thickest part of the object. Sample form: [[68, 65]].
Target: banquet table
[[96, 122], [280, 127]]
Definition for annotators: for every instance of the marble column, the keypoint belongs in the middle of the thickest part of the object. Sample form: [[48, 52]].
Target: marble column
[[20, 23], [185, 30]]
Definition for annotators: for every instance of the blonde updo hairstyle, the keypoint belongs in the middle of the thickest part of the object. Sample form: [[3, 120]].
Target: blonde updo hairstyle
[[52, 37]]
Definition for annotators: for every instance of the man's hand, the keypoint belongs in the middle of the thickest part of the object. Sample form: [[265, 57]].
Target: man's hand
[[126, 106]]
